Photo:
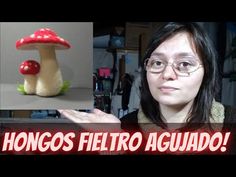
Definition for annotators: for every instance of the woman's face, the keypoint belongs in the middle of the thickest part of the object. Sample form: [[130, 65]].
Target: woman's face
[[167, 87]]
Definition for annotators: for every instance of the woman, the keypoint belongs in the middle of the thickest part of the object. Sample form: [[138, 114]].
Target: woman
[[179, 82]]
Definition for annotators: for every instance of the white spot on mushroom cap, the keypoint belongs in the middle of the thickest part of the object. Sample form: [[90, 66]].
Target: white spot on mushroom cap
[[48, 29], [61, 39], [26, 68], [21, 40]]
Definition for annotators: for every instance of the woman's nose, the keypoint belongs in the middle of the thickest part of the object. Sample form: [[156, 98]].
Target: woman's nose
[[169, 73]]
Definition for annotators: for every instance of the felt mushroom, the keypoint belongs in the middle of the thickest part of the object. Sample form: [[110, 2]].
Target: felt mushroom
[[29, 69], [46, 41]]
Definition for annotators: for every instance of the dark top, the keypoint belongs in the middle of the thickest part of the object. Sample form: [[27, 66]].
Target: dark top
[[230, 116], [130, 122]]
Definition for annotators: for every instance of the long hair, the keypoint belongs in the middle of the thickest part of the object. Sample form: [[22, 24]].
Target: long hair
[[201, 109]]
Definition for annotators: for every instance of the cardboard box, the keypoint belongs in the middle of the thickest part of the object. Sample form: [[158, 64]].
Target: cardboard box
[[155, 26], [21, 113], [133, 31]]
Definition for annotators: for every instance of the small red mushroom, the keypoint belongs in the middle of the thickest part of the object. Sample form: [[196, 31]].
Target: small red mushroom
[[30, 68]]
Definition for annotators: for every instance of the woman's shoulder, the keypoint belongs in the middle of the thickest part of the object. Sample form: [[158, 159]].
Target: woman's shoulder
[[130, 120], [131, 117], [230, 116]]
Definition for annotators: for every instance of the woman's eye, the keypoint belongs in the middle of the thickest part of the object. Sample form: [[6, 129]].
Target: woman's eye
[[184, 64], [158, 63]]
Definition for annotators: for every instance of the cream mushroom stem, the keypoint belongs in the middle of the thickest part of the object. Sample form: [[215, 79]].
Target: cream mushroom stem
[[49, 80], [30, 84]]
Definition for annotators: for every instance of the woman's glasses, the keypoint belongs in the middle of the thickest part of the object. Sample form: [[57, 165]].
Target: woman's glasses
[[182, 66]]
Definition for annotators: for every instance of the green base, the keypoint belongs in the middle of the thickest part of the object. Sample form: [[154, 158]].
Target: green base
[[64, 88]]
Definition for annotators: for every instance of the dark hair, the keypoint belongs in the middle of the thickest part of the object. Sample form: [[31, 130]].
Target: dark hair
[[201, 109]]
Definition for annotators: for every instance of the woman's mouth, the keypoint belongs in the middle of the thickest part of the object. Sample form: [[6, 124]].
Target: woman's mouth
[[167, 89]]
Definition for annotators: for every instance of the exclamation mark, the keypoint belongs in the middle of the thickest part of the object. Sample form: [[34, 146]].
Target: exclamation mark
[[223, 148]]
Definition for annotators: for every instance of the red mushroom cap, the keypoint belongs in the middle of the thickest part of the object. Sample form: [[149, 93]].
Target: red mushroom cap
[[29, 67], [43, 36]]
